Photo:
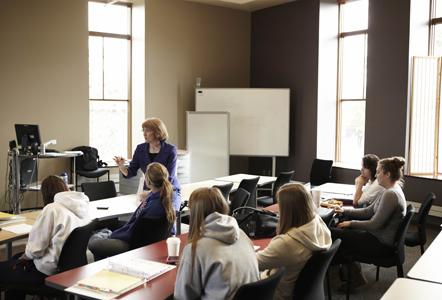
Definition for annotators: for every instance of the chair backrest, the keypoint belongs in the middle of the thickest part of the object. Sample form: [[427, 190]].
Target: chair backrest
[[283, 178], [320, 172], [99, 190], [225, 189], [73, 253], [150, 230], [421, 218], [261, 289], [310, 282], [239, 199], [399, 241], [250, 186]]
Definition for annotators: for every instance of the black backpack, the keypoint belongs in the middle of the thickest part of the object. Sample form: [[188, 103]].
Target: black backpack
[[90, 161]]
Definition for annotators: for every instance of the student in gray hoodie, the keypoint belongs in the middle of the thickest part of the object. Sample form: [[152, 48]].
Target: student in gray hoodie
[[219, 257], [300, 232]]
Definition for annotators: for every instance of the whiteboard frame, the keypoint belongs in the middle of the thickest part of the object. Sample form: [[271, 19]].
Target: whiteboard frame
[[237, 102], [207, 167]]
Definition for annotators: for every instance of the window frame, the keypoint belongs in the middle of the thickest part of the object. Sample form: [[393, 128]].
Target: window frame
[[127, 37]]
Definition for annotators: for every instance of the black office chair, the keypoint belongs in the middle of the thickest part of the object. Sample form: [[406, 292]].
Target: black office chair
[[418, 235], [239, 199], [225, 189], [149, 230], [99, 190], [320, 172], [89, 165], [250, 186], [263, 289], [73, 255], [310, 282], [283, 178], [395, 257]]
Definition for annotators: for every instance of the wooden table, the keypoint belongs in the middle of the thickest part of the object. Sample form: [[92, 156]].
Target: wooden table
[[324, 213], [158, 288], [429, 265], [263, 180], [409, 289]]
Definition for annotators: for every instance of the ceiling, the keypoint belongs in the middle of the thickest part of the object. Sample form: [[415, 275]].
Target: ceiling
[[247, 5]]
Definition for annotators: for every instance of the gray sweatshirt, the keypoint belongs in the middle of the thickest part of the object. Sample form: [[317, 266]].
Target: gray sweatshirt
[[224, 261], [383, 217]]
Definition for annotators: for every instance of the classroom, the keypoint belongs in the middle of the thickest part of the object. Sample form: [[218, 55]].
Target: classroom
[[177, 45]]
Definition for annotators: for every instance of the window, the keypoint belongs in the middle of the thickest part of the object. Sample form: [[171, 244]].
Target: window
[[109, 78], [352, 71], [425, 134]]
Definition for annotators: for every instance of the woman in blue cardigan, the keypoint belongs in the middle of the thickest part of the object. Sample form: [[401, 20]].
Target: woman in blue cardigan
[[161, 201], [155, 149]]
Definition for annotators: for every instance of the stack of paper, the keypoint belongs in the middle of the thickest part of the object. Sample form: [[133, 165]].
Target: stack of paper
[[146, 269], [6, 219]]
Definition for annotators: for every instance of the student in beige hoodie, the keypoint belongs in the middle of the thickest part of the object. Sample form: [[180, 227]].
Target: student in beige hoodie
[[300, 232]]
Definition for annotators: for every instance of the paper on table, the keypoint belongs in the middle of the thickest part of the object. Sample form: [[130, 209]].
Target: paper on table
[[18, 229], [256, 248]]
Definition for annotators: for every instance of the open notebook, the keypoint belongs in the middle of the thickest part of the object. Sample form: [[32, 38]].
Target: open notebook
[[121, 276]]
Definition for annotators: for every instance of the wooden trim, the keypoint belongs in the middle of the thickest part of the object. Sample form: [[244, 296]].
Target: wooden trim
[[110, 35], [120, 3], [110, 100], [351, 33], [436, 129]]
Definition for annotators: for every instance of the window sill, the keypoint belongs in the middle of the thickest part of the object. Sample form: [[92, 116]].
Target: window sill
[[343, 165]]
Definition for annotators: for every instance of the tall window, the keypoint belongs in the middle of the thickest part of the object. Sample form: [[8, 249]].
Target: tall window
[[425, 148], [109, 78], [352, 71]]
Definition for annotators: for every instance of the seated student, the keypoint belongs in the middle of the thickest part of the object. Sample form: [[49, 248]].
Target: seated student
[[219, 257], [63, 212], [300, 232], [371, 230], [367, 178], [161, 201]]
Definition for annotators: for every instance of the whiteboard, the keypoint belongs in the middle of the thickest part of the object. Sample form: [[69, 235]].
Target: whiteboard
[[259, 118], [208, 145]]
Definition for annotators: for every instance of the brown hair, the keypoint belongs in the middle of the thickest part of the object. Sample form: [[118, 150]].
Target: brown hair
[[295, 207], [203, 202], [158, 176], [157, 127], [393, 165], [50, 186], [370, 162]]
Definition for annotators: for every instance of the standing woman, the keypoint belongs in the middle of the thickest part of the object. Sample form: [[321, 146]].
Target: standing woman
[[367, 178], [372, 229], [155, 149], [63, 212], [300, 231], [219, 258]]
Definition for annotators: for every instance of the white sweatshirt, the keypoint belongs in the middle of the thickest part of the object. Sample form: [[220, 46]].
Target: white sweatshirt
[[52, 228]]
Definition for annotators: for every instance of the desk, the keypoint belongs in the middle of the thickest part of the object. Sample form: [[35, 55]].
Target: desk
[[119, 206], [429, 265], [158, 288], [336, 190], [7, 237], [263, 180], [188, 188], [409, 289]]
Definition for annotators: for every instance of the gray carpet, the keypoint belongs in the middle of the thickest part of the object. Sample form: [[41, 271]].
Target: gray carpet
[[375, 289]]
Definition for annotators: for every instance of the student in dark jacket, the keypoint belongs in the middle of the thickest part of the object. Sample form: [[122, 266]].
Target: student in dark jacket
[[161, 201]]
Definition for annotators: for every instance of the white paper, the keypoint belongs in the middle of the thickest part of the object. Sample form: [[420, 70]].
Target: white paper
[[18, 229]]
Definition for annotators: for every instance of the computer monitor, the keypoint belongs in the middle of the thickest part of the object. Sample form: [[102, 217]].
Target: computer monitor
[[28, 136]]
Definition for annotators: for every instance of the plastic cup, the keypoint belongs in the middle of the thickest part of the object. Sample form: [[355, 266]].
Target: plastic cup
[[173, 246], [316, 197]]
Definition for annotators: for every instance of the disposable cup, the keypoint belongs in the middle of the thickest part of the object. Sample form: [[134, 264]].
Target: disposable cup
[[173, 246]]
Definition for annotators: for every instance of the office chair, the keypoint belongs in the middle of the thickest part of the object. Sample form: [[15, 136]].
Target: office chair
[[250, 186], [310, 282], [283, 178], [99, 190], [225, 189], [320, 172], [418, 235], [239, 199], [263, 289], [148, 231]]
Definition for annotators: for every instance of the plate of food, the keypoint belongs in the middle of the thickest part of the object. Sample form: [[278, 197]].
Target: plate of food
[[332, 203]]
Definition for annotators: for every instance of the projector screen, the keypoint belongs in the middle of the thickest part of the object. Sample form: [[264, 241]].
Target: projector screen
[[259, 118]]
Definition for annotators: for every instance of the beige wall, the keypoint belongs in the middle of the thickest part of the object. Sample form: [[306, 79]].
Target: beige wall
[[43, 75], [186, 40]]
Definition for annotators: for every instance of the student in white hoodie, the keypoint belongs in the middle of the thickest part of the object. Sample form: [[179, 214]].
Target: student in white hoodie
[[300, 232], [219, 257], [63, 212]]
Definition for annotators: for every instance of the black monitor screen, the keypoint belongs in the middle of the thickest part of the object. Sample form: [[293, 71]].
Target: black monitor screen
[[27, 135]]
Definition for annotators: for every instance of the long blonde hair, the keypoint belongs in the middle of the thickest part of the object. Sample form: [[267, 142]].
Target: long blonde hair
[[203, 202], [157, 176], [295, 207]]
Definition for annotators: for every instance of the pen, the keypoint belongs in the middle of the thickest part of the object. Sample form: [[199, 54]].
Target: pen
[[98, 289], [102, 207]]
